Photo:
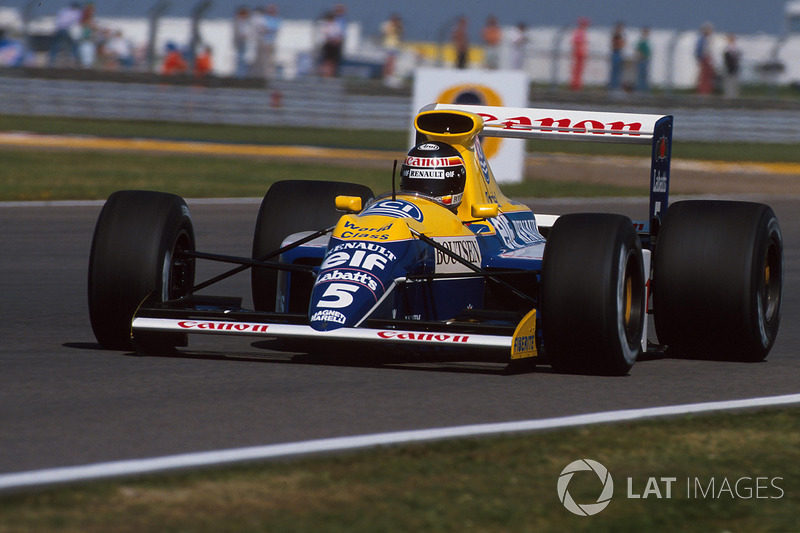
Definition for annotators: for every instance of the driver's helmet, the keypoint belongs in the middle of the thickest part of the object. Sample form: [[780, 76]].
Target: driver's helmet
[[435, 169]]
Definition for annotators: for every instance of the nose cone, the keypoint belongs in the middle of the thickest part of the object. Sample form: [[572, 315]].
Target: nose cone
[[352, 279]]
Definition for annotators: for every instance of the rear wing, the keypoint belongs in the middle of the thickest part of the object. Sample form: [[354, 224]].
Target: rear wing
[[597, 126]]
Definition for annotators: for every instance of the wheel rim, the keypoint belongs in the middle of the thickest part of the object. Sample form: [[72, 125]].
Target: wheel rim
[[630, 292], [628, 300], [178, 270], [770, 294]]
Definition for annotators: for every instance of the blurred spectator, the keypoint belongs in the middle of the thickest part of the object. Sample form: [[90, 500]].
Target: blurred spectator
[[392, 31], [340, 16], [68, 30], [242, 37], [580, 50], [174, 62], [87, 46], [203, 62], [119, 51], [492, 35], [460, 39], [617, 59], [266, 25], [519, 42], [643, 53], [732, 60], [12, 52], [332, 41], [702, 53]]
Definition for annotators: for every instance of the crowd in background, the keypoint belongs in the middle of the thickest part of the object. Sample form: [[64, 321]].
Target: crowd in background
[[86, 43], [629, 66], [78, 40], [255, 33]]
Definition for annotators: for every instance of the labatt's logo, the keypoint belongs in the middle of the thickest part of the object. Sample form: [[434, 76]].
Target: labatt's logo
[[566, 126]]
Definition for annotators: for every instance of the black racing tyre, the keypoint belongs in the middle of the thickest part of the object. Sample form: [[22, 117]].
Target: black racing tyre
[[133, 255], [718, 280], [289, 207], [593, 295]]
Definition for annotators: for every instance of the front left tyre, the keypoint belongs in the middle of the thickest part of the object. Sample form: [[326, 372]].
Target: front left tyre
[[136, 253], [593, 294]]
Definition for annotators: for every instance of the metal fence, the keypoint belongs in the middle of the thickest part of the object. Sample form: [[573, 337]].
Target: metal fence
[[317, 103], [329, 104]]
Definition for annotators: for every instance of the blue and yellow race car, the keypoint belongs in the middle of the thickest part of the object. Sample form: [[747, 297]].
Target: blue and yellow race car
[[447, 267]]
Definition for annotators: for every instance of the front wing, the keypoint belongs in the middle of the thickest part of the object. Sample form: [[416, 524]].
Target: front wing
[[489, 342]]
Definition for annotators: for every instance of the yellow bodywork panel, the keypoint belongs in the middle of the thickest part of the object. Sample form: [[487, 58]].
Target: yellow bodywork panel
[[460, 129], [439, 222], [523, 343], [348, 204]]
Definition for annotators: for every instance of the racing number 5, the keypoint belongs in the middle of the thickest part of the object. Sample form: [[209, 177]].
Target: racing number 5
[[340, 294]]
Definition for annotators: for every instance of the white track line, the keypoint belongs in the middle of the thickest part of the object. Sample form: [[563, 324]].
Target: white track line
[[49, 476]]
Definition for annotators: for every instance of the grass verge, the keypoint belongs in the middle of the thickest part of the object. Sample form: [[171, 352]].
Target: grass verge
[[733, 472], [70, 175], [52, 174], [378, 140]]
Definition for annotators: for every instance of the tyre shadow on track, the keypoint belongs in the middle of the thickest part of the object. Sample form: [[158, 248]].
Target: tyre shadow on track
[[273, 353]]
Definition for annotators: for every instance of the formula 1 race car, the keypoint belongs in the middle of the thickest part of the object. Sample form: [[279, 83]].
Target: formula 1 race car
[[447, 267]]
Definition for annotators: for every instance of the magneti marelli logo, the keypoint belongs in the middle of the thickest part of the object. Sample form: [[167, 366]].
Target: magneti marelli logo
[[586, 509]]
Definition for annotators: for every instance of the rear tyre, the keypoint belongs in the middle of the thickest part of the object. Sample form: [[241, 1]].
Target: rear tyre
[[718, 280], [593, 295], [135, 253], [289, 207]]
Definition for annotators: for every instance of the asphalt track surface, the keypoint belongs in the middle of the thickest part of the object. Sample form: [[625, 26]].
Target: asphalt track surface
[[65, 401]]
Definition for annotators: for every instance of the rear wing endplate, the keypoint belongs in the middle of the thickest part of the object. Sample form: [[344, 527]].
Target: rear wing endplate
[[595, 126]]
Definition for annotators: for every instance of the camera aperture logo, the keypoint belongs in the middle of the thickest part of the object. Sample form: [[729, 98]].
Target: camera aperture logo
[[586, 509]]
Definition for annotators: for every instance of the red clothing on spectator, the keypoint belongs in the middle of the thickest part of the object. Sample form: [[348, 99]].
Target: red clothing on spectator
[[203, 64], [580, 50], [174, 63]]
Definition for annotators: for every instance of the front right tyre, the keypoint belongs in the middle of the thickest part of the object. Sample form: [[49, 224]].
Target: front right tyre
[[288, 207]]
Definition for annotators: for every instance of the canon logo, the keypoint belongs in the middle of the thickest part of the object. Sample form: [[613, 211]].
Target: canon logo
[[431, 337], [223, 326], [565, 125]]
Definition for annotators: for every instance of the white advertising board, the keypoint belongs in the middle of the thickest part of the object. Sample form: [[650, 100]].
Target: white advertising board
[[505, 88]]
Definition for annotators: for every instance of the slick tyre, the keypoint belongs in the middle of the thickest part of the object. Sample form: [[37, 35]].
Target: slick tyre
[[593, 295], [289, 207], [718, 280], [135, 253]]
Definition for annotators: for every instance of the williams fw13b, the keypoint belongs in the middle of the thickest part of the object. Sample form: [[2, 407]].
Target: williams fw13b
[[447, 267]]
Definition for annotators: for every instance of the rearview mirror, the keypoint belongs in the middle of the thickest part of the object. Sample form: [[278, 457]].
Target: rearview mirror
[[349, 204], [485, 210]]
